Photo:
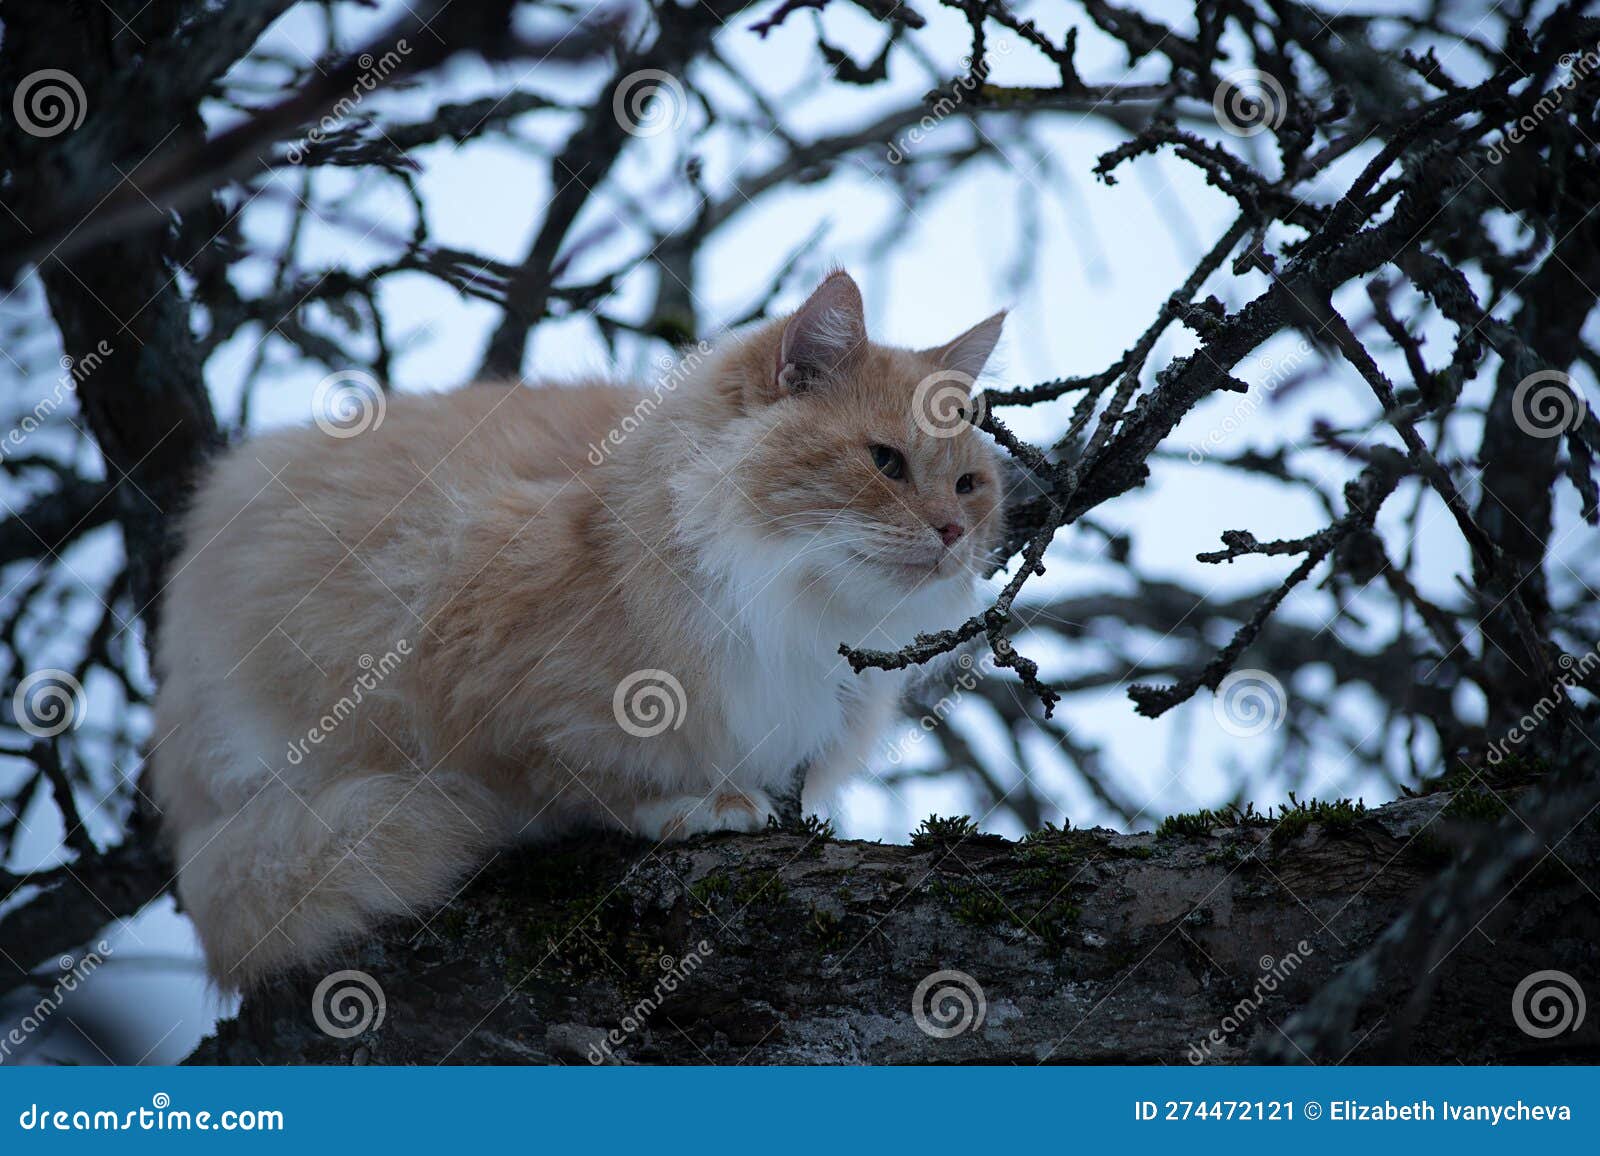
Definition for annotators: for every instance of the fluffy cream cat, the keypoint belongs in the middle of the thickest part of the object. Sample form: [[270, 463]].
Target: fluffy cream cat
[[505, 612]]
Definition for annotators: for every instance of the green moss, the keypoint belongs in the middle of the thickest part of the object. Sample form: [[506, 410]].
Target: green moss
[[1199, 824], [818, 833], [1060, 846], [936, 831], [1057, 861], [1055, 924], [1049, 833], [1012, 901], [762, 901], [1229, 855], [713, 887], [970, 902], [1060, 853], [761, 892], [1335, 817], [1291, 821], [826, 928], [583, 936], [956, 829], [567, 919], [1475, 805], [821, 830], [1188, 825], [1473, 786]]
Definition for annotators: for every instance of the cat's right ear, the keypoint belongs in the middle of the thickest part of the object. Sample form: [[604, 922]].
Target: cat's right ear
[[823, 338]]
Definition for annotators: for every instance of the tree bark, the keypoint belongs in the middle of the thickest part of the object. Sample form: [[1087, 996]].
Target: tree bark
[[1517, 484], [1086, 947]]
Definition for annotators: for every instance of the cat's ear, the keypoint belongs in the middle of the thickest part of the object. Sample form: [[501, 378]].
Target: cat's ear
[[968, 353], [823, 337]]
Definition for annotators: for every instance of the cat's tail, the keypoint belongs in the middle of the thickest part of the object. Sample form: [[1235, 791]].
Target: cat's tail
[[291, 877]]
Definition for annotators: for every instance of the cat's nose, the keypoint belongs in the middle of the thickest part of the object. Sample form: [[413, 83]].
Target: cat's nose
[[950, 532]]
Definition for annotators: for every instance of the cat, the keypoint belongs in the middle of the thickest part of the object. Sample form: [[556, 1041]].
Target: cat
[[507, 612]]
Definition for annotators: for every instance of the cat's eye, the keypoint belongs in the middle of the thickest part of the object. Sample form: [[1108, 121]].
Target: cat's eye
[[891, 463], [966, 483]]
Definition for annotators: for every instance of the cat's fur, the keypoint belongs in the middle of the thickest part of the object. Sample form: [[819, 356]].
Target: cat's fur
[[732, 537]]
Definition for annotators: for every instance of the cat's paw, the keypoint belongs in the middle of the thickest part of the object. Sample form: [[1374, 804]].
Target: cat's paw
[[730, 809]]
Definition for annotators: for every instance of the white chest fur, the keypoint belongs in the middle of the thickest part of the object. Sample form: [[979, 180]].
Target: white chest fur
[[788, 696], [782, 707]]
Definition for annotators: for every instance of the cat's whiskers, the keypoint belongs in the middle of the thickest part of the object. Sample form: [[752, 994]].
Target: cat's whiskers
[[810, 547], [861, 560], [812, 518]]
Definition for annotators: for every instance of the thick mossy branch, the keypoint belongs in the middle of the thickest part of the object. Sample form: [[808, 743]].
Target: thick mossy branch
[[1085, 946]]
